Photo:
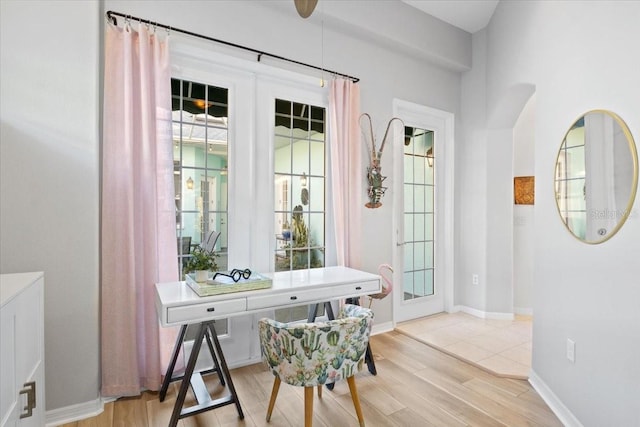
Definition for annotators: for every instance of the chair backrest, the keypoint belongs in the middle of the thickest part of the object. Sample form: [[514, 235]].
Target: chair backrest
[[184, 245], [309, 354], [209, 242]]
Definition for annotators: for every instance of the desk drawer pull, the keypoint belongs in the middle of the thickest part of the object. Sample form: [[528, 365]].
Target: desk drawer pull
[[210, 309], [293, 298], [358, 288]]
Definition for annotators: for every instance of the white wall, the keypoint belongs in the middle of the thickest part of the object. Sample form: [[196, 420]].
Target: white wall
[[523, 224], [49, 178], [471, 165], [579, 56]]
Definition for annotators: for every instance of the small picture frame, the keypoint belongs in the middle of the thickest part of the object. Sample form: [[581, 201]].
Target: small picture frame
[[524, 190]]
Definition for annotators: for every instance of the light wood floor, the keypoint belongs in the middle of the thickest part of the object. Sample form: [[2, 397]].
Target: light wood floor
[[416, 385]]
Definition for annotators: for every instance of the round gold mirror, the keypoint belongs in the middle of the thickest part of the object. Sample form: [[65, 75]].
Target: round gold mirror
[[596, 176]]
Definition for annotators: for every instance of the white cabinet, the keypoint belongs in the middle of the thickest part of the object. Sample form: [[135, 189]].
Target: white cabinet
[[22, 350]]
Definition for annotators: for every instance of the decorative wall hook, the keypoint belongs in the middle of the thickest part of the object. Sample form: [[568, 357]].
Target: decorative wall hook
[[374, 170]]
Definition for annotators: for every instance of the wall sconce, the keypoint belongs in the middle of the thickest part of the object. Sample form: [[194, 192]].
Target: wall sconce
[[189, 184], [303, 180], [430, 157]]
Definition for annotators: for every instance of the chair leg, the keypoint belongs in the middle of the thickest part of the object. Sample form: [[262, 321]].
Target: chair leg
[[274, 394], [356, 400], [308, 406]]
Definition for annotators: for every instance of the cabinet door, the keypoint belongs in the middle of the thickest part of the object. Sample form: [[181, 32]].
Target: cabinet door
[[9, 411], [30, 351], [21, 357]]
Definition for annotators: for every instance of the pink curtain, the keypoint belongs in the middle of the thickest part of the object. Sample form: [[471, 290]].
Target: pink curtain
[[347, 173], [138, 209]]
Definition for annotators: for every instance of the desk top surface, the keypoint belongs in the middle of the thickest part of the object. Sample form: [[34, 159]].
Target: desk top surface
[[282, 282]]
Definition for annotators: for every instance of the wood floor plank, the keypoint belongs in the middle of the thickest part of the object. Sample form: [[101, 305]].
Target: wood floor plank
[[429, 400], [507, 415], [416, 385], [130, 411], [536, 413]]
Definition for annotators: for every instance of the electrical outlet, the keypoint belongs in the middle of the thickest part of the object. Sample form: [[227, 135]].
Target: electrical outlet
[[475, 279], [571, 350]]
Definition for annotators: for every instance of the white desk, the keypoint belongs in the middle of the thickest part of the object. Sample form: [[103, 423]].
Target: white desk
[[178, 305]]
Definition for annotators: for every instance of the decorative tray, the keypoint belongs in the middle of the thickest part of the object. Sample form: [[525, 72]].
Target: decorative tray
[[225, 285]]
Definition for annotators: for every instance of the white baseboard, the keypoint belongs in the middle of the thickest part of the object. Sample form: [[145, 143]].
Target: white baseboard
[[380, 328], [483, 314], [562, 412], [80, 411], [525, 311]]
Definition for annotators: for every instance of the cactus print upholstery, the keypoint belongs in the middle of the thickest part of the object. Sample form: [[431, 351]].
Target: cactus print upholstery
[[311, 354]]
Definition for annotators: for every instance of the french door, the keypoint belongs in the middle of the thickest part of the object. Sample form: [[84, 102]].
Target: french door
[[423, 212], [234, 136]]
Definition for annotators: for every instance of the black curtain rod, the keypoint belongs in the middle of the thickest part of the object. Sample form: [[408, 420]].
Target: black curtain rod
[[111, 15]]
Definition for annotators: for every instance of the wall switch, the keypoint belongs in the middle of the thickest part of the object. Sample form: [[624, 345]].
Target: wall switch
[[571, 350], [474, 279]]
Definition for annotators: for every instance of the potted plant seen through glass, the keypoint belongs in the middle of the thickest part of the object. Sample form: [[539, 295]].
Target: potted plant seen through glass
[[201, 262]]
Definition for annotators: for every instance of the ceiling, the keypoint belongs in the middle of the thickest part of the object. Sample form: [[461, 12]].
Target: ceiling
[[469, 15]]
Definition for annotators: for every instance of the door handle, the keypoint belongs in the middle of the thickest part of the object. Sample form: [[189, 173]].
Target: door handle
[[30, 390]]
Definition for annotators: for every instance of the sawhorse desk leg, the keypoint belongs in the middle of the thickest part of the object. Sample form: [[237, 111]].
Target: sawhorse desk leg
[[206, 330]]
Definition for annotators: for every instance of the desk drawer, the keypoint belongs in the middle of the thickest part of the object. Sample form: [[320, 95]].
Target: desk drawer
[[312, 295], [199, 312]]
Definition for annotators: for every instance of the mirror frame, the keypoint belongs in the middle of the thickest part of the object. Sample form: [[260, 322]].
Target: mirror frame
[[634, 185]]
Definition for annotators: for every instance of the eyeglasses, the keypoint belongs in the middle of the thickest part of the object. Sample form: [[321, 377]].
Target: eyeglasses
[[236, 274]]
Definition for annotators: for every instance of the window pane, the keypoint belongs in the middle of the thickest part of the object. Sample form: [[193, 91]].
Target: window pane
[[408, 256], [200, 163], [419, 255], [301, 157], [408, 227], [317, 150], [316, 194], [407, 285], [408, 198], [428, 256], [419, 284], [419, 229], [299, 191], [428, 223], [316, 230], [282, 154], [418, 200], [418, 169], [299, 185]]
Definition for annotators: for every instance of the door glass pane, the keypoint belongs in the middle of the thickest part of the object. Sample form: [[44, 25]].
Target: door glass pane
[[299, 192], [200, 137], [418, 212], [299, 185]]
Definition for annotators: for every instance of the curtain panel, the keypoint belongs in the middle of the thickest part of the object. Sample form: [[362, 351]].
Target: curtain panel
[[138, 227], [346, 170]]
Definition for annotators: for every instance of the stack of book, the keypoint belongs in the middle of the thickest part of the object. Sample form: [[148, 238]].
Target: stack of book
[[224, 284]]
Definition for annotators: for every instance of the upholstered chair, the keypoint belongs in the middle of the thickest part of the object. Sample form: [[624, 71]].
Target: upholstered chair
[[313, 354]]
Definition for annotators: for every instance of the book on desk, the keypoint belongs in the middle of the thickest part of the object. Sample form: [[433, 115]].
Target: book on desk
[[224, 284]]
